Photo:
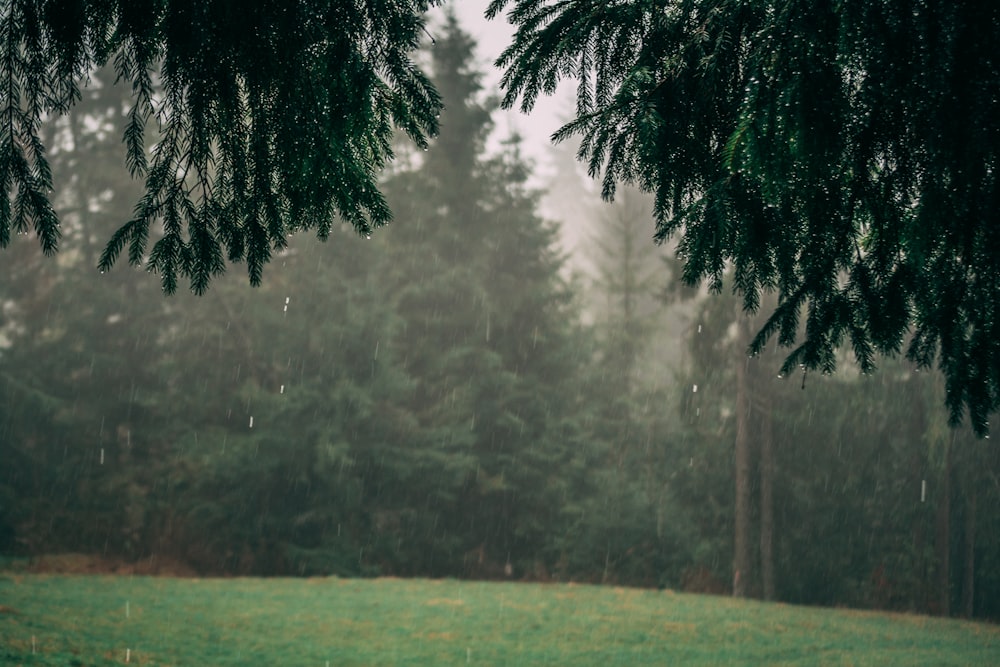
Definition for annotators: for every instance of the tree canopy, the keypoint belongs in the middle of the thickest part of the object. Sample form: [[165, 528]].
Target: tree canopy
[[433, 402], [843, 154], [271, 118]]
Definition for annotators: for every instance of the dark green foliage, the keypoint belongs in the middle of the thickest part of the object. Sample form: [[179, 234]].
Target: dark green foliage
[[270, 118], [842, 154], [852, 524], [428, 404], [409, 404], [489, 339]]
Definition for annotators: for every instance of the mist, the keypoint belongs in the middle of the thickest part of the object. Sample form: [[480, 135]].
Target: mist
[[508, 382]]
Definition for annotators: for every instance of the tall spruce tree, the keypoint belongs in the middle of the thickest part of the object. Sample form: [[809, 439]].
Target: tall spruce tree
[[632, 531], [812, 145], [489, 338]]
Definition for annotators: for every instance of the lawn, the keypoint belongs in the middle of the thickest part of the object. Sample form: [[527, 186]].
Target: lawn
[[110, 620]]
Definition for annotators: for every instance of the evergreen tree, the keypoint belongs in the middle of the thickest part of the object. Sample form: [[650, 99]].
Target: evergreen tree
[[627, 272], [632, 531], [488, 337], [273, 118], [814, 147], [285, 414], [861, 510], [76, 372]]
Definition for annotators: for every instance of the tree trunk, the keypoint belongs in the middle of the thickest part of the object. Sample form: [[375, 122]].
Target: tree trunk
[[767, 500], [944, 536], [968, 461], [741, 534], [969, 556]]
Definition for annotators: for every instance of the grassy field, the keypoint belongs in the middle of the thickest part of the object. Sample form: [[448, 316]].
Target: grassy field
[[110, 620]]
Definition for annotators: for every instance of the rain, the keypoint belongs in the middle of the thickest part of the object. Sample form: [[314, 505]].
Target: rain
[[506, 403]]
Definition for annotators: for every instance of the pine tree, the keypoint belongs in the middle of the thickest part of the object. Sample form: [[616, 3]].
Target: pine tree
[[272, 118], [77, 366], [814, 147], [489, 339], [630, 530]]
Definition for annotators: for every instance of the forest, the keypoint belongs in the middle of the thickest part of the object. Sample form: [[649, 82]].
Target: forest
[[452, 396]]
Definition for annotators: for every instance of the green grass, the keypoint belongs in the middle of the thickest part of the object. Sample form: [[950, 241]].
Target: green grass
[[95, 620]]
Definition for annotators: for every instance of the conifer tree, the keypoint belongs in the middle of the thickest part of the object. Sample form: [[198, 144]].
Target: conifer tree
[[631, 530], [271, 118], [489, 337], [843, 154], [77, 366]]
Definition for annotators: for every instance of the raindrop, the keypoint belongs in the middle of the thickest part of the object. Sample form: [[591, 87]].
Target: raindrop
[[699, 328], [694, 389], [102, 455], [251, 421], [923, 490], [282, 390]]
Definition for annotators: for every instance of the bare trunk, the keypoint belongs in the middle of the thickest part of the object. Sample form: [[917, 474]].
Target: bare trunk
[[944, 538], [767, 501], [969, 548], [968, 458], [741, 535]]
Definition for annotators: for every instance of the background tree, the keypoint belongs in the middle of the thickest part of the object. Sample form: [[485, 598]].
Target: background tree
[[621, 285], [273, 118], [813, 147], [375, 408], [490, 335], [75, 377], [861, 506]]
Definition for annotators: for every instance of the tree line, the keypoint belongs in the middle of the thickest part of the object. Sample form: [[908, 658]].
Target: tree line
[[811, 148], [431, 402]]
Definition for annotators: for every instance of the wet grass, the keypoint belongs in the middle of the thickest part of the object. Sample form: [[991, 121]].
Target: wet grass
[[108, 620]]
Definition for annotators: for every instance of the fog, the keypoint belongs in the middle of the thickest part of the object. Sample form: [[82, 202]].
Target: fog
[[509, 382]]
